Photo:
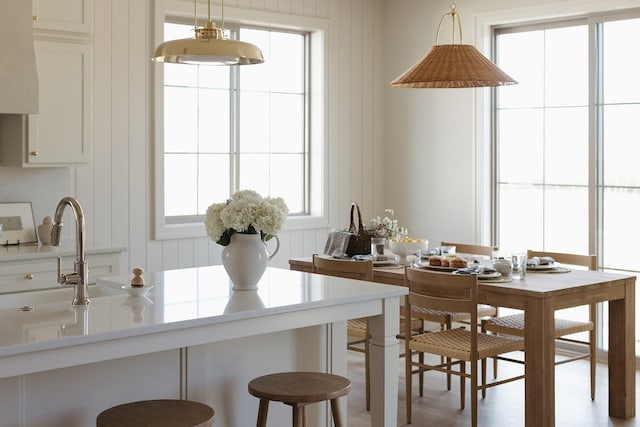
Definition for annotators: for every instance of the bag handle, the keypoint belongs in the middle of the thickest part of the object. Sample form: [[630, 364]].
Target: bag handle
[[352, 226]]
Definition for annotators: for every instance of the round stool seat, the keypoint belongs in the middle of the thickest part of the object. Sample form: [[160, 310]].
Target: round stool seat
[[298, 389], [157, 413]]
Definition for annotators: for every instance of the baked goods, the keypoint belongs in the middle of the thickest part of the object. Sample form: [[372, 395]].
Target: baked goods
[[457, 262], [435, 261]]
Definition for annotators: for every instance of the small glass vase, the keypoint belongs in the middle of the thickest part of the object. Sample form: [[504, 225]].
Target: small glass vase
[[245, 260]]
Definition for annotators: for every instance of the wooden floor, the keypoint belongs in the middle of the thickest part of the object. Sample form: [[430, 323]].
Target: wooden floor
[[503, 406]]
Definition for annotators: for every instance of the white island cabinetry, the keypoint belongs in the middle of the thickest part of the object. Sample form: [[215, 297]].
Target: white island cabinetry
[[190, 337], [32, 267]]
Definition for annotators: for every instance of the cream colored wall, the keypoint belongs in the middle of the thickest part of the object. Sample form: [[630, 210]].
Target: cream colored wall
[[116, 190], [435, 139]]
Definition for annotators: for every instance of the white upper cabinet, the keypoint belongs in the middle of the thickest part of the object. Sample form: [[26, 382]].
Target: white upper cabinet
[[74, 16], [61, 133]]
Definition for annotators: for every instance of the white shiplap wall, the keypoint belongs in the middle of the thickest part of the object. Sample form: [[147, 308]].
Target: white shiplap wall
[[116, 188]]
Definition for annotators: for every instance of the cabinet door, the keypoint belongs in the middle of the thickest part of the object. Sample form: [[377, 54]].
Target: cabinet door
[[62, 131], [64, 15]]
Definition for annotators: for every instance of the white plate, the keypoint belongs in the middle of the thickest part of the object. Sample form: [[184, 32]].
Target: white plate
[[541, 267], [137, 291], [492, 275]]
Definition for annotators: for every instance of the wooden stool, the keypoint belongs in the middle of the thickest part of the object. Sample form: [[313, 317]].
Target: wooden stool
[[157, 413], [298, 389]]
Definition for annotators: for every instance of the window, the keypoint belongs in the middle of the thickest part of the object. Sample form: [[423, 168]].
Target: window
[[566, 140], [229, 128]]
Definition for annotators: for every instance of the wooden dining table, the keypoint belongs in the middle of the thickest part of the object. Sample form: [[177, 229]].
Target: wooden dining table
[[539, 295]]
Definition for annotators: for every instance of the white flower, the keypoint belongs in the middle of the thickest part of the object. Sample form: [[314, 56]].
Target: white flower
[[245, 212], [387, 227]]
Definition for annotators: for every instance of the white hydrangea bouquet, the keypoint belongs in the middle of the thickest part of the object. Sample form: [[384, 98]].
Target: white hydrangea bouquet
[[246, 212], [387, 226]]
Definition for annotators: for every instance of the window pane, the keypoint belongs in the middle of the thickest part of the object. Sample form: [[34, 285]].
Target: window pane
[[621, 204], [520, 134], [181, 184], [567, 66], [287, 53], [254, 171], [527, 69], [287, 123], [214, 121], [254, 129], [180, 120], [621, 145], [213, 180], [566, 219], [283, 167], [621, 66], [521, 217], [567, 143]]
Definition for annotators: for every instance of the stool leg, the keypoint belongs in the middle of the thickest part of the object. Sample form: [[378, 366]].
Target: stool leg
[[299, 415], [263, 409], [335, 411]]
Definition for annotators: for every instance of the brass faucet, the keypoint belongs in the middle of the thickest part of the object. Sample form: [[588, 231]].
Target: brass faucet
[[80, 276]]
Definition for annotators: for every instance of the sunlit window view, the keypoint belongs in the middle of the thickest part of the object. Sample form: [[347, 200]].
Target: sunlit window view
[[567, 144], [233, 128]]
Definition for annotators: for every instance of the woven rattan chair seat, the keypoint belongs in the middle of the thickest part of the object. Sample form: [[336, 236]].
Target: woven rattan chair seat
[[514, 325], [456, 343], [439, 315]]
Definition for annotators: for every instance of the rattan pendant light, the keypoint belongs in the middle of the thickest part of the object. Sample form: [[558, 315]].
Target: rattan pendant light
[[208, 47], [453, 65]]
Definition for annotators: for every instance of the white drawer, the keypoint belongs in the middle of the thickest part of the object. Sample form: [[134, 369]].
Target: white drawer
[[26, 275]]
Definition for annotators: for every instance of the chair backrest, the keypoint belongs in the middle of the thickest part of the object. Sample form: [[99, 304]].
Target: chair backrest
[[360, 270], [442, 291], [464, 248], [588, 261]]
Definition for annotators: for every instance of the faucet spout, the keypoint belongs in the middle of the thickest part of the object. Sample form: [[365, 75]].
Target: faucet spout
[[80, 276]]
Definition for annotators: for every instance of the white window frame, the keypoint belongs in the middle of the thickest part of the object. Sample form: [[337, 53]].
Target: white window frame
[[317, 216]]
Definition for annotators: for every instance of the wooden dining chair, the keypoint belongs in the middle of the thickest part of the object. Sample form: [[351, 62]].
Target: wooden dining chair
[[357, 329], [464, 248], [447, 319], [455, 293], [514, 324]]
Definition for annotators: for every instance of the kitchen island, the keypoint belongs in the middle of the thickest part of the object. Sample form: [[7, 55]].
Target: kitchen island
[[189, 337]]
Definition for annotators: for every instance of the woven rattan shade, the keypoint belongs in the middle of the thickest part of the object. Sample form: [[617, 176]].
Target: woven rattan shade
[[453, 66]]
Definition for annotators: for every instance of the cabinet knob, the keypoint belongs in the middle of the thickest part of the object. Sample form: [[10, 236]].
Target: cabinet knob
[[34, 18], [34, 153], [29, 276]]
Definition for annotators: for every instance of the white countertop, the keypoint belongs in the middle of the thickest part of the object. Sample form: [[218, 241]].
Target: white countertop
[[116, 324]]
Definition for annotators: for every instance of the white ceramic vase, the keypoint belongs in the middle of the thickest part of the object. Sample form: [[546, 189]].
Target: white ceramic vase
[[245, 260]]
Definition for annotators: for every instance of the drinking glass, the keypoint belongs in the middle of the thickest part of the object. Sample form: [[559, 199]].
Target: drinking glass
[[519, 261], [377, 248]]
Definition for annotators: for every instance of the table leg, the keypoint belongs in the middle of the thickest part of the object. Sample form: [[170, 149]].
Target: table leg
[[539, 364], [622, 378], [384, 364]]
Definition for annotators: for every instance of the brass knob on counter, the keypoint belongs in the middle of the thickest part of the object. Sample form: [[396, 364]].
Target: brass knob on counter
[[29, 276], [34, 153]]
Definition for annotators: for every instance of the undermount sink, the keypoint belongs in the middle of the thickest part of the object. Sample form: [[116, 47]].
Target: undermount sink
[[35, 298]]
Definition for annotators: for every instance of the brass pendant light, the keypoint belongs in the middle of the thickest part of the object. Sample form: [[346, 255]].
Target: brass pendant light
[[208, 47], [453, 65]]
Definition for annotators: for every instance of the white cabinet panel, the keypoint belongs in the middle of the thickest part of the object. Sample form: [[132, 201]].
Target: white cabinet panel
[[61, 133], [64, 15]]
